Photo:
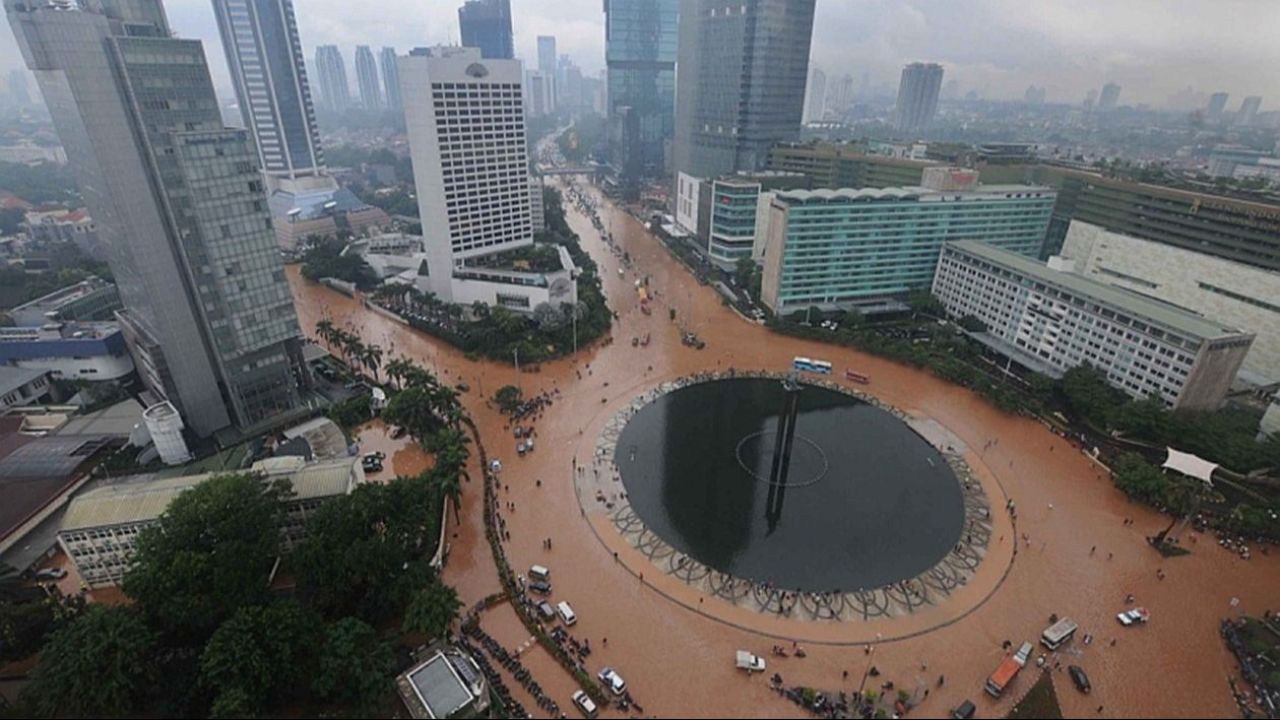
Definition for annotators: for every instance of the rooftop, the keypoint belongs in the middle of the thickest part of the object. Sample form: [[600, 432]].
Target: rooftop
[[141, 498], [12, 378], [440, 686], [906, 193], [1154, 311]]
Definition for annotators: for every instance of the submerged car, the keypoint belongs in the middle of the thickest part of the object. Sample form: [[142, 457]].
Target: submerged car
[[1136, 616], [613, 681], [1080, 679]]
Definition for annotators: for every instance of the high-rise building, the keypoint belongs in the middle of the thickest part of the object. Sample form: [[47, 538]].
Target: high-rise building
[[486, 24], [742, 79], [640, 60], [180, 202], [264, 54], [1110, 97], [331, 70], [367, 79], [18, 87], [917, 96], [472, 175], [1217, 103], [815, 102], [1034, 95], [1249, 110], [846, 165], [390, 77], [540, 93], [1090, 99], [840, 95], [547, 56]]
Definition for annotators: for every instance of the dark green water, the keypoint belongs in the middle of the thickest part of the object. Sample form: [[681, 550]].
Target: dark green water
[[886, 508]]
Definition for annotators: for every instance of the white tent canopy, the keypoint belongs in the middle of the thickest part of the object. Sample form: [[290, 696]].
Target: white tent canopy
[[1190, 465]]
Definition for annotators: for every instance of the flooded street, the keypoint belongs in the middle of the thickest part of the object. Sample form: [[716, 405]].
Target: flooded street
[[676, 649]]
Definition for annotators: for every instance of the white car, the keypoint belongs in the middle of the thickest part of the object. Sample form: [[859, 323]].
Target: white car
[[613, 680], [585, 704], [1136, 616]]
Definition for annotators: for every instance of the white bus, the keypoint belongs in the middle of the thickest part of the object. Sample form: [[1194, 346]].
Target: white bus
[[1059, 633]]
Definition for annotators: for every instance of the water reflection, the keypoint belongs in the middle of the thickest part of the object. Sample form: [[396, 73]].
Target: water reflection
[[866, 503]]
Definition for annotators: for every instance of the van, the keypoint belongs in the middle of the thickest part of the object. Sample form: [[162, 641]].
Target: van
[[566, 613], [538, 572], [1059, 633]]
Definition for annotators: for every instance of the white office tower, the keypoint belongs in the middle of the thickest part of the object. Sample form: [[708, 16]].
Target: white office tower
[[464, 117], [165, 425]]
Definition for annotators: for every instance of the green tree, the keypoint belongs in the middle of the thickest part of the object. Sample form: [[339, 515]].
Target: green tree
[[24, 626], [365, 552], [354, 666], [1089, 396], [259, 654], [432, 610], [414, 410], [208, 555], [508, 398], [102, 664]]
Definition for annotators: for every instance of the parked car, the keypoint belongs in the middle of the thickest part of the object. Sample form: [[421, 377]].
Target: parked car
[[566, 613], [1080, 679], [585, 704], [545, 611], [47, 574], [613, 681], [542, 587], [749, 662], [1136, 616], [371, 463], [964, 710]]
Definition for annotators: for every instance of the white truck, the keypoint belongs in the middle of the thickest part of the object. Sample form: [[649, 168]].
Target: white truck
[[749, 662]]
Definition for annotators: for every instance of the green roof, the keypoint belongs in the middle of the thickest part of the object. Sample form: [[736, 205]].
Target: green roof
[[1145, 308]]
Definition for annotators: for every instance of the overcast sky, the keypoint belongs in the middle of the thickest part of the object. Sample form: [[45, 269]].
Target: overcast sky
[[1152, 48]]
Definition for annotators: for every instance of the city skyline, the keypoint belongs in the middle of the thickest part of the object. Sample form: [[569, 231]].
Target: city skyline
[[1205, 46]]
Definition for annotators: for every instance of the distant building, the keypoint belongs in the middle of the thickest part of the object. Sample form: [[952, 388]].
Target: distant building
[[1110, 97], [743, 71], [917, 96], [331, 70], [367, 79], [540, 93], [857, 248], [1228, 292], [74, 226], [725, 213], [547, 57], [640, 59], [447, 683], [1051, 321], [815, 102], [390, 77], [1217, 104], [1249, 110], [22, 386], [836, 165], [486, 24], [101, 527]]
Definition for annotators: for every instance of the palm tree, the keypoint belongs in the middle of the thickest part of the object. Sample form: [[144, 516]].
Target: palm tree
[[398, 370], [324, 328], [371, 358]]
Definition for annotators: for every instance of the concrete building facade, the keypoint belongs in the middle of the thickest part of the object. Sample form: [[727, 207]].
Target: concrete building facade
[[1231, 293], [918, 91], [1051, 321]]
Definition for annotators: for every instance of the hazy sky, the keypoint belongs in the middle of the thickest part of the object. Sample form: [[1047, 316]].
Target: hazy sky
[[1153, 48]]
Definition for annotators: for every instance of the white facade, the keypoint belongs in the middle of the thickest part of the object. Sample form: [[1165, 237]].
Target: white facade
[[164, 423], [687, 189], [537, 213], [1231, 293], [465, 122], [1052, 321]]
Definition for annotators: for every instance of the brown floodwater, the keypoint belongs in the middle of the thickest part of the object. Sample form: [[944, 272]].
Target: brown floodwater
[[675, 649]]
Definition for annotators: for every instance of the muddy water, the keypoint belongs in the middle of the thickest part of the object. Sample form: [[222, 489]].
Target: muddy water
[[677, 655]]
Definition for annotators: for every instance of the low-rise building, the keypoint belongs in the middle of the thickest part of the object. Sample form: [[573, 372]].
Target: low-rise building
[[1050, 321], [446, 684], [850, 248], [74, 226], [89, 299], [1229, 292], [90, 352], [22, 386], [100, 529]]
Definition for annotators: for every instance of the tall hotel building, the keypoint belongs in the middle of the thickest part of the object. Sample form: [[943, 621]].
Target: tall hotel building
[[1051, 321]]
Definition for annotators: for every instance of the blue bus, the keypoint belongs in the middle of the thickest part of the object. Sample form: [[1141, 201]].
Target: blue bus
[[803, 364]]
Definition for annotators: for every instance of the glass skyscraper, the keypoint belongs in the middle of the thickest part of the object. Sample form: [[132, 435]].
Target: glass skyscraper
[[179, 201], [917, 96], [264, 55], [486, 24], [743, 69], [640, 56]]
